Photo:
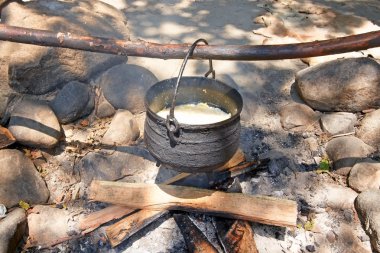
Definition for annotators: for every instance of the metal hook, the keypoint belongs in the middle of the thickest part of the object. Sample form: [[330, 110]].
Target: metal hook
[[172, 124]]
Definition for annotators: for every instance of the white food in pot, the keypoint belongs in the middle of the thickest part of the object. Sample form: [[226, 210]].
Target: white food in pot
[[196, 114]]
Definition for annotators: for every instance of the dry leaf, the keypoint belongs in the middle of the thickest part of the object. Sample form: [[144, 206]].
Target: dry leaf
[[35, 154], [24, 205], [27, 152], [85, 123], [6, 138]]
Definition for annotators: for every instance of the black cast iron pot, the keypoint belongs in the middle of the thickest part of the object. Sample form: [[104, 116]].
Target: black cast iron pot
[[192, 148]]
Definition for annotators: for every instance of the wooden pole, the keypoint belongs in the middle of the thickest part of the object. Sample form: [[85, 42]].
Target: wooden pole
[[178, 51]]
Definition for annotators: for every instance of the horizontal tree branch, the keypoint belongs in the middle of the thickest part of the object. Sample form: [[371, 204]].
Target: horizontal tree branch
[[178, 51]]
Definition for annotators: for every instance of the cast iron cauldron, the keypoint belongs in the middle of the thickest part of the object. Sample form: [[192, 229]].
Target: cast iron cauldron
[[192, 148]]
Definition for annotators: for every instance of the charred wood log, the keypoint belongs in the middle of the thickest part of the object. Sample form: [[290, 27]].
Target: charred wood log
[[196, 241], [131, 224], [236, 236]]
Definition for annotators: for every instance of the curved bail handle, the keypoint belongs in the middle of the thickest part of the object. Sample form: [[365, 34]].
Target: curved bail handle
[[172, 124]]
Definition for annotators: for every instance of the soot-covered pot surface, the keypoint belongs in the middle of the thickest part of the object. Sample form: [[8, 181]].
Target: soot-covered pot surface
[[193, 148]]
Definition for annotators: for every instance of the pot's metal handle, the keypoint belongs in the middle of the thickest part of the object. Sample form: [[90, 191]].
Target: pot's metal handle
[[172, 124]]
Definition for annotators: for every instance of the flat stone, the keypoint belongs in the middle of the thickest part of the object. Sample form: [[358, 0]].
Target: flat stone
[[12, 229], [365, 175], [38, 70], [122, 130], [104, 108], [33, 123], [367, 205], [346, 151], [49, 226], [296, 115], [338, 123], [349, 85], [71, 102], [125, 85], [118, 164], [369, 129], [20, 180]]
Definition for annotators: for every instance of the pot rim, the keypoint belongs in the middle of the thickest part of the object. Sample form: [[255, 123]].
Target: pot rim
[[162, 121]]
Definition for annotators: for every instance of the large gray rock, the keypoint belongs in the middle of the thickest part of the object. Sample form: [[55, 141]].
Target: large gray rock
[[12, 229], [346, 151], [296, 115], [37, 70], [122, 130], [365, 175], [338, 123], [33, 123], [350, 85], [20, 180], [369, 130], [125, 85], [116, 165], [71, 102], [367, 205]]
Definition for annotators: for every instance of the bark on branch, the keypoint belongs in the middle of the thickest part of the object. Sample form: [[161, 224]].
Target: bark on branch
[[178, 51]]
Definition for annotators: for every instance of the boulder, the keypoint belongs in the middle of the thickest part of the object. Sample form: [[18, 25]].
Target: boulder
[[125, 85], [346, 151], [20, 180], [350, 85], [295, 115], [12, 229], [122, 130], [37, 70], [33, 123], [365, 175], [367, 205], [338, 123], [71, 102], [369, 129]]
